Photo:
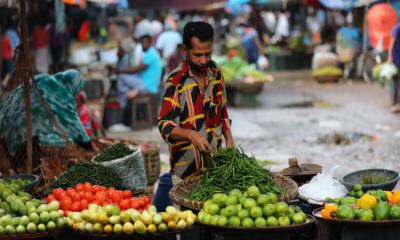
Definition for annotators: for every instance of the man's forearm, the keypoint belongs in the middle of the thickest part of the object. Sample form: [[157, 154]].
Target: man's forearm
[[181, 134]]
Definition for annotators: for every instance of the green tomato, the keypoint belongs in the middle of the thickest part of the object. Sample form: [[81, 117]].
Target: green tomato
[[272, 221], [262, 200], [282, 208], [253, 192], [231, 200], [235, 192], [234, 221], [249, 203], [222, 221], [256, 212], [260, 222], [244, 213], [248, 222]]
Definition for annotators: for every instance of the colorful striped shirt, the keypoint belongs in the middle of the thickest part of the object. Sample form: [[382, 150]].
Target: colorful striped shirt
[[185, 105]]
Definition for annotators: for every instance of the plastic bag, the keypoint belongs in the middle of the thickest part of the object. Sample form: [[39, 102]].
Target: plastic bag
[[322, 186], [131, 169], [262, 62]]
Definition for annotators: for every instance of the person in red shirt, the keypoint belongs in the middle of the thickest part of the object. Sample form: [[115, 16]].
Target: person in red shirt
[[7, 59], [41, 39]]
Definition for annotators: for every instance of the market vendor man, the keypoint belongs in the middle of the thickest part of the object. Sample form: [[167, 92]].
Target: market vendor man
[[194, 117]]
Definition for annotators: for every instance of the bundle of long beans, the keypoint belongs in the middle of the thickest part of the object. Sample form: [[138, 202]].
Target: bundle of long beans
[[230, 169]]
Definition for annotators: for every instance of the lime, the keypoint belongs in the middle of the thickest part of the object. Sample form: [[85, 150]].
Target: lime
[[247, 222], [231, 210], [272, 221], [256, 212], [222, 221], [243, 213], [231, 200], [260, 222], [272, 197], [253, 192], [219, 198], [214, 219], [234, 221], [269, 210], [235, 192], [357, 187], [284, 221], [249, 203], [213, 209], [282, 208], [262, 200]]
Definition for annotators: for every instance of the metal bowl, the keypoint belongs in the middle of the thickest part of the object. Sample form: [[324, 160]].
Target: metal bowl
[[353, 178]]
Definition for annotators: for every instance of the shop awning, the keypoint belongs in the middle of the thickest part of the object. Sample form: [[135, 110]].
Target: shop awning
[[345, 4], [172, 4]]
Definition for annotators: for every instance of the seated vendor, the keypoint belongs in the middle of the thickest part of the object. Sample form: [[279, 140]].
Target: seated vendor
[[143, 78], [58, 91]]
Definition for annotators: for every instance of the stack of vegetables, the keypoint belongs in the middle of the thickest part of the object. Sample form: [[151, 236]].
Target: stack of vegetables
[[328, 71], [230, 169], [20, 213], [239, 69], [111, 220], [249, 209], [78, 198], [374, 205], [83, 172]]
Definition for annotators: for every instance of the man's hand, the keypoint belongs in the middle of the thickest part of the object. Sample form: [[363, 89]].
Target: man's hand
[[199, 141]]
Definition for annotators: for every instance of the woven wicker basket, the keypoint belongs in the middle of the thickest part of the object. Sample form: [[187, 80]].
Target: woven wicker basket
[[178, 192]]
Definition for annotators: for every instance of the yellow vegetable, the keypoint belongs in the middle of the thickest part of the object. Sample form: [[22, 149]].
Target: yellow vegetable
[[367, 201]]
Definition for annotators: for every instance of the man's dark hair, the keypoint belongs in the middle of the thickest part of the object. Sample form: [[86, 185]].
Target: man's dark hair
[[201, 30], [148, 37]]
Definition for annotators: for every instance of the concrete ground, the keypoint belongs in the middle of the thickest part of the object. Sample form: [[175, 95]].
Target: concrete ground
[[299, 117]]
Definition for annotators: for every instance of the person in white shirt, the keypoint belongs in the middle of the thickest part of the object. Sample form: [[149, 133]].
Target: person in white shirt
[[168, 41]]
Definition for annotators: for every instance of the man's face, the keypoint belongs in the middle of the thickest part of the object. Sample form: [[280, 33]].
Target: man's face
[[199, 56], [145, 43]]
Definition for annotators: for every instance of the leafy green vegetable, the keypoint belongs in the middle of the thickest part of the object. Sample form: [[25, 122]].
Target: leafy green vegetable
[[83, 172], [327, 71], [374, 179], [112, 152], [229, 169]]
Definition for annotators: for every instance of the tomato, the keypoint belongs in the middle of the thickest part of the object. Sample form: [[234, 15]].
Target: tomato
[[87, 187], [100, 197], [75, 197], [141, 202], [62, 195], [124, 204], [97, 203], [147, 199], [89, 196], [127, 194], [70, 191], [97, 188], [66, 213], [81, 194], [84, 204], [134, 204], [76, 207], [147, 206], [66, 203], [58, 193], [116, 197], [79, 187], [51, 198], [102, 188]]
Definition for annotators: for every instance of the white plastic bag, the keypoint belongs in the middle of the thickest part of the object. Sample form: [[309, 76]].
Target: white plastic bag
[[388, 71], [262, 62], [322, 186]]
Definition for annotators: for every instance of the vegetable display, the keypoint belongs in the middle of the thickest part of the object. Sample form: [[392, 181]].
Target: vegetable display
[[249, 209], [78, 198], [112, 152], [327, 72], [87, 172], [237, 69], [111, 220], [374, 205], [374, 179], [230, 169], [19, 181], [20, 213]]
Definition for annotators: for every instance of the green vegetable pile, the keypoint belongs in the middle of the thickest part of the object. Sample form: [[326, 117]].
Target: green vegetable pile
[[327, 72], [237, 68], [374, 179], [19, 181], [232, 169], [112, 152], [83, 172]]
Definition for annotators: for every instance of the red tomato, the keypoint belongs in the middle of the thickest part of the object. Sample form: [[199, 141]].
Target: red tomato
[[66, 213], [62, 195], [102, 188], [76, 207], [127, 194], [76, 197], [100, 197], [51, 198], [97, 188], [116, 197], [141, 202], [84, 204], [124, 205], [97, 203], [58, 192], [81, 194], [70, 191], [134, 204], [147, 199], [79, 187], [147, 206], [87, 187], [89, 196], [66, 203]]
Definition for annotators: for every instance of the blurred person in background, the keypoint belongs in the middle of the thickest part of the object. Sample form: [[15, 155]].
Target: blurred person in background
[[250, 41], [41, 39], [88, 117]]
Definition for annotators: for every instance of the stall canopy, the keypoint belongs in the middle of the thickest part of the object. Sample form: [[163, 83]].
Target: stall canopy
[[172, 4], [345, 4]]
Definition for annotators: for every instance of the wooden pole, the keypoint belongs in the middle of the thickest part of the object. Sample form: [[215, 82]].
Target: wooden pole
[[25, 57]]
